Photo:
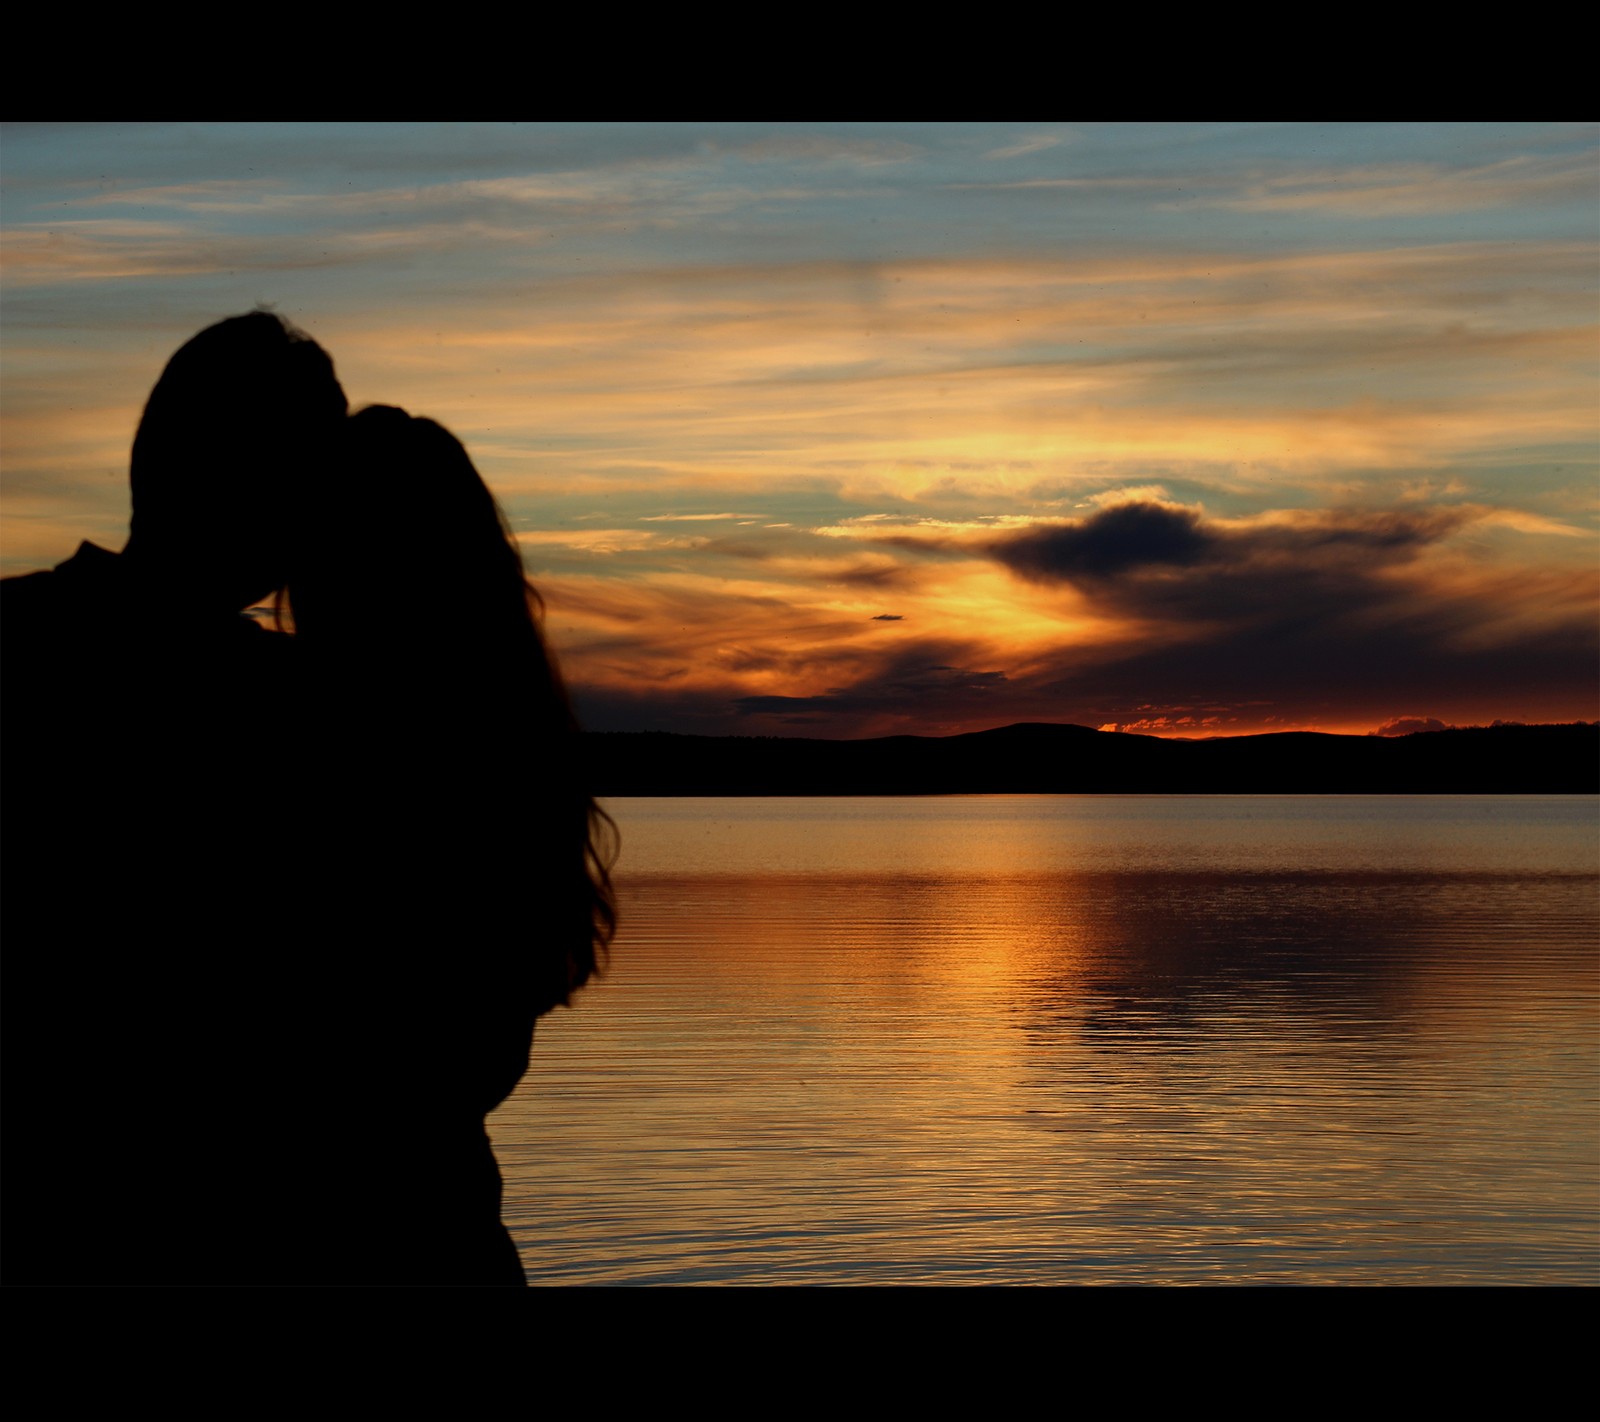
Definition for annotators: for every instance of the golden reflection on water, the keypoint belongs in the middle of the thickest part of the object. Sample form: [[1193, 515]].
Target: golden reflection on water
[[962, 1041]]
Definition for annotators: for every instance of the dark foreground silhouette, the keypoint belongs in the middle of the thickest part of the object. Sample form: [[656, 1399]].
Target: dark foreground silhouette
[[1075, 760], [278, 923]]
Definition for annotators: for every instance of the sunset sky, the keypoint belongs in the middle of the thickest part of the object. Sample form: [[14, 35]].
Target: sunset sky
[[841, 430]]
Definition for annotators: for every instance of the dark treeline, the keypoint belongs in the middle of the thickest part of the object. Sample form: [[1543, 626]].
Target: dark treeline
[[1064, 759]]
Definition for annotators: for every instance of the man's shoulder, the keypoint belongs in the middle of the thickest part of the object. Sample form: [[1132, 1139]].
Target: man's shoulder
[[27, 590], [43, 613], [36, 609], [82, 620], [85, 574]]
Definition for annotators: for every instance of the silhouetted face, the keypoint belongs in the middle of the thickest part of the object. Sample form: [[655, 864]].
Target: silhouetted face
[[231, 451]]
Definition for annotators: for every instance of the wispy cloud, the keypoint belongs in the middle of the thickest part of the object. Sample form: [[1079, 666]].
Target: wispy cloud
[[604, 541], [1384, 190], [1025, 145], [698, 518]]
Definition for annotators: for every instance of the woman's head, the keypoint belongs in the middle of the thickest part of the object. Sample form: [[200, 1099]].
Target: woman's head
[[410, 595], [407, 523]]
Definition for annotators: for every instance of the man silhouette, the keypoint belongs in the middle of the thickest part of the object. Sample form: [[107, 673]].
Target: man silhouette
[[149, 1124]]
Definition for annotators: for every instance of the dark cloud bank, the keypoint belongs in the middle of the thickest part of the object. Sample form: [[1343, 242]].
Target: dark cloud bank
[[1324, 618], [1323, 612]]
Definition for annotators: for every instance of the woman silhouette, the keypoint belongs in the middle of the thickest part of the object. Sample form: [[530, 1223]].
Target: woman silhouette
[[451, 862]]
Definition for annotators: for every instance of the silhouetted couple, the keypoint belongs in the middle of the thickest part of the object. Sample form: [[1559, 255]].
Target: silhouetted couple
[[281, 911]]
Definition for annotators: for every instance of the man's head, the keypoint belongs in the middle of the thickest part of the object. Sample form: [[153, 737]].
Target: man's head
[[227, 457]]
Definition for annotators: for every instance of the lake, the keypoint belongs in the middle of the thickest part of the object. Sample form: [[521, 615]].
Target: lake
[[1078, 1040]]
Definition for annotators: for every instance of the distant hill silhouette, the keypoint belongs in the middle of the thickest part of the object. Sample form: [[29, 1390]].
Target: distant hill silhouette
[[1065, 759]]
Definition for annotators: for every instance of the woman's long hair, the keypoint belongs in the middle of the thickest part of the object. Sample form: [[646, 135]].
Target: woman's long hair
[[465, 663]]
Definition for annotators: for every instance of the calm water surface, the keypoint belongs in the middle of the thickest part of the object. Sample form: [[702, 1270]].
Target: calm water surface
[[1062, 1040]]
